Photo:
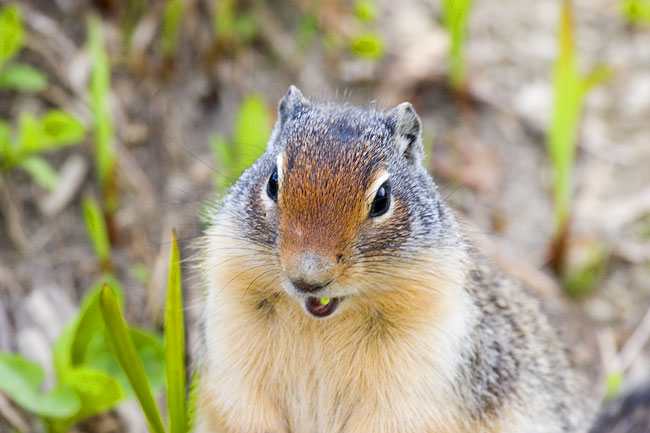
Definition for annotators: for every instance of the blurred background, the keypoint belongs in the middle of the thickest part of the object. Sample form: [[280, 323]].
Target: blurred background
[[121, 120]]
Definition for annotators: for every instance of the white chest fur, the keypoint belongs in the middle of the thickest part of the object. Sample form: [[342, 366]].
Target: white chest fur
[[378, 365]]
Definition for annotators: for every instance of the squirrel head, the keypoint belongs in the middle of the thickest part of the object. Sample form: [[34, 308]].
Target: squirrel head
[[339, 192]]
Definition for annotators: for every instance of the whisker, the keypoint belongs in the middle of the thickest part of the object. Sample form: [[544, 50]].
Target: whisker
[[253, 281]]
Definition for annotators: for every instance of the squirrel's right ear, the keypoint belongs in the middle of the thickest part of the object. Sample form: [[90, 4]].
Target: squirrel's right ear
[[407, 132], [290, 103]]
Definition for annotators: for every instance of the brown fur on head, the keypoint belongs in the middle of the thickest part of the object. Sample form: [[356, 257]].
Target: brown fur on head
[[311, 202], [323, 204]]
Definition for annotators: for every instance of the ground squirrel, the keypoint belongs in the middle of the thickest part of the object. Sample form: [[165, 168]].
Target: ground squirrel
[[342, 296]]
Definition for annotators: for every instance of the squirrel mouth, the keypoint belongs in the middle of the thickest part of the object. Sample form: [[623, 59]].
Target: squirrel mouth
[[321, 307]]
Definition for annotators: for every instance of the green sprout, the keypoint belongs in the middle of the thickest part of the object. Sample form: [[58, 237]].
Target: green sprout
[[569, 91], [365, 10], [637, 12], [171, 27], [126, 353], [368, 45], [21, 148], [104, 130], [96, 228], [456, 14], [16, 76], [89, 380]]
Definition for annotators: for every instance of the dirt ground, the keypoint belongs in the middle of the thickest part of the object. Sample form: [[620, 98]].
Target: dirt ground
[[487, 152]]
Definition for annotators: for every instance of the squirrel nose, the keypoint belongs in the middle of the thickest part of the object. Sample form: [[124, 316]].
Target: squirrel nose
[[310, 272]]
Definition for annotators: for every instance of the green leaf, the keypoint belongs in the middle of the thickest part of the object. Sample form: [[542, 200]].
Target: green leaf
[[175, 345], [30, 373], [70, 349], [54, 130], [126, 354], [96, 390], [83, 357], [24, 78], [21, 380], [29, 134], [11, 32], [150, 349], [61, 129], [368, 45], [96, 228], [41, 171], [89, 322]]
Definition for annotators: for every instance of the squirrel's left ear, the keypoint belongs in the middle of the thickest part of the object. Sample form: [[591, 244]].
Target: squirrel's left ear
[[290, 103], [407, 132]]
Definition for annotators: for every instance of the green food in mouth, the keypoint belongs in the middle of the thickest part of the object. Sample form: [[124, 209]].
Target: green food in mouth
[[324, 301]]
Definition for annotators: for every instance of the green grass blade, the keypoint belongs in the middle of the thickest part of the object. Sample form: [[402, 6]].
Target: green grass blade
[[175, 345], [193, 396], [41, 171], [124, 349], [100, 83], [456, 14], [171, 27], [568, 94], [97, 232]]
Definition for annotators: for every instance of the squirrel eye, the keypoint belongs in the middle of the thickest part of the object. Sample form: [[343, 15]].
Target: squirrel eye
[[381, 203], [272, 186]]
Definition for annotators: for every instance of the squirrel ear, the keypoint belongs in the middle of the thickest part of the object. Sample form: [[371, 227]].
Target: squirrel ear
[[289, 104], [291, 101], [407, 132]]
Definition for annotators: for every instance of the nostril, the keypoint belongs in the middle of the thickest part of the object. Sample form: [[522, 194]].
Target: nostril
[[305, 287]]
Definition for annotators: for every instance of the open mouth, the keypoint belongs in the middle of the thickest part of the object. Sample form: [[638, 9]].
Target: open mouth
[[321, 307]]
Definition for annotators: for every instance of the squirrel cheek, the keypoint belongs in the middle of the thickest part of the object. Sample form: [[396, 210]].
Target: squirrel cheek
[[268, 204]]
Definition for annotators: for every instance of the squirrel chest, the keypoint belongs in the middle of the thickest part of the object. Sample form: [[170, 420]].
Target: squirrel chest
[[375, 368]]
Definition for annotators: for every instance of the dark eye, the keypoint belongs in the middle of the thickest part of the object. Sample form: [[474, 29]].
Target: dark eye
[[272, 186], [381, 203]]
